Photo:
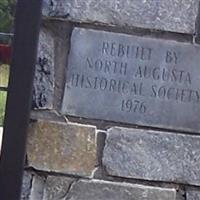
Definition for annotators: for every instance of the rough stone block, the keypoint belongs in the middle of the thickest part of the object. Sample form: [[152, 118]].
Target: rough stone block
[[102, 190], [26, 185], [170, 15], [33, 187], [64, 148], [192, 195], [37, 188], [152, 155], [56, 187], [43, 90]]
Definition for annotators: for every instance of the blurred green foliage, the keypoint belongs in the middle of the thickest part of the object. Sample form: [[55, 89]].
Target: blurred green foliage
[[7, 12]]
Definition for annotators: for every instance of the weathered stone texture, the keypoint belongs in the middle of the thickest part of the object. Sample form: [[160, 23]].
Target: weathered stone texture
[[37, 188], [101, 190], [170, 15], [144, 86], [56, 188], [60, 147], [33, 187], [26, 186], [192, 195], [152, 155], [43, 90]]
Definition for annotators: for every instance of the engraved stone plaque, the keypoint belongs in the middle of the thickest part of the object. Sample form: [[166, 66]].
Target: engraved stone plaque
[[131, 79]]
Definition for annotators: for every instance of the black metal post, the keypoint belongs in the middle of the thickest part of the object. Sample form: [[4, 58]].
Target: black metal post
[[27, 24]]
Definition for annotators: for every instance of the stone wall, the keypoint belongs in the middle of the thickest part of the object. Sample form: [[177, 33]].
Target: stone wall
[[78, 158]]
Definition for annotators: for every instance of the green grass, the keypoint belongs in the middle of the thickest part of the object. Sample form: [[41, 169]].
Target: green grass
[[4, 73], [2, 106]]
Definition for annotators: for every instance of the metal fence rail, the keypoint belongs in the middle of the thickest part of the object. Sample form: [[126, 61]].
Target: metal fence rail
[[27, 23], [6, 34], [3, 88]]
